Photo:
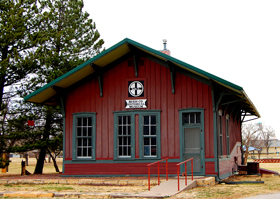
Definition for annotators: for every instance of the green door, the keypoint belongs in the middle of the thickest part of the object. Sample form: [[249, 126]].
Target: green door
[[192, 139], [193, 149]]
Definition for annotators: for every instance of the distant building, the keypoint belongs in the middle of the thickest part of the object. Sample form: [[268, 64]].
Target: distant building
[[273, 146]]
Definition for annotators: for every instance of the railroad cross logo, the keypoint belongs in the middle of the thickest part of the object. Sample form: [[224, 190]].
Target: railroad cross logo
[[136, 89]]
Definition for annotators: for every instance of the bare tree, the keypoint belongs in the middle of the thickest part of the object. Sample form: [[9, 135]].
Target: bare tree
[[250, 133], [267, 134]]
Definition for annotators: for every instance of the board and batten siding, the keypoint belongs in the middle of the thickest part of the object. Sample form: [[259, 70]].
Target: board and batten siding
[[189, 93]]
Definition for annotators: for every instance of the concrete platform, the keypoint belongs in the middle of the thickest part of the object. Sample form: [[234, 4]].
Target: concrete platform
[[165, 189]]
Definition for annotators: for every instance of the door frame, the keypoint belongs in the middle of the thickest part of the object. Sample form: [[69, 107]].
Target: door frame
[[182, 136]]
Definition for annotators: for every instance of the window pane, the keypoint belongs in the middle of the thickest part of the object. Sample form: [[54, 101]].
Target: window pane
[[125, 141], [146, 130], [84, 151], [89, 151], [192, 118], [124, 120], [129, 151], [120, 119], [146, 141], [153, 150], [146, 150], [120, 130], [120, 141], [84, 131], [124, 130], [186, 118], [153, 140], [89, 121], [153, 119], [124, 150], [146, 119], [79, 131], [89, 142], [128, 120], [153, 130], [79, 142], [129, 141], [128, 130], [120, 151], [89, 131], [79, 152], [79, 122], [198, 118], [84, 142], [84, 121]]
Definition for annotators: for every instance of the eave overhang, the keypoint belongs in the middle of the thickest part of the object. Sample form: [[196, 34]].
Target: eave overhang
[[47, 93]]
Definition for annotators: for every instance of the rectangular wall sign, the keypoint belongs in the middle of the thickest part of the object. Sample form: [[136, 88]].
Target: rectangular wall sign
[[142, 103]]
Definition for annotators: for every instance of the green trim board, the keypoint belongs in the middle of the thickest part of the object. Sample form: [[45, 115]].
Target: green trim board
[[118, 161], [113, 53]]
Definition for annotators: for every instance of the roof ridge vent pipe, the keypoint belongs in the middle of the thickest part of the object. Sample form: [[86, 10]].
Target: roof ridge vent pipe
[[164, 44], [165, 51]]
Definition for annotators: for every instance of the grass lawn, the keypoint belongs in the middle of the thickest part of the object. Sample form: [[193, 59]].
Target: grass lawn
[[15, 166]]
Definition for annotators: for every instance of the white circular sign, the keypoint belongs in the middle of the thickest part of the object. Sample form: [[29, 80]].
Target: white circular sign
[[135, 88]]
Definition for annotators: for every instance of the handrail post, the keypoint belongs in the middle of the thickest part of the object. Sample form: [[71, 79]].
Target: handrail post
[[186, 173], [192, 168], [157, 172]]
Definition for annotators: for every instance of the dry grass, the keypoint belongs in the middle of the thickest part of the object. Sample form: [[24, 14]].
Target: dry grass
[[15, 166], [228, 191], [73, 188], [271, 184]]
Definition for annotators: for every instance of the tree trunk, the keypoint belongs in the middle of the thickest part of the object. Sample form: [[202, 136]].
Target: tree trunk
[[42, 155], [40, 162], [54, 162], [26, 158]]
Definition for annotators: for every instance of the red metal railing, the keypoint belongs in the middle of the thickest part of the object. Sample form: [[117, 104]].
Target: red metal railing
[[178, 171], [149, 178]]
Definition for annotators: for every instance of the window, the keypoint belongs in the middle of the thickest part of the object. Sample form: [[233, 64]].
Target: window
[[220, 134], [149, 135], [84, 136], [227, 134], [191, 118], [124, 136]]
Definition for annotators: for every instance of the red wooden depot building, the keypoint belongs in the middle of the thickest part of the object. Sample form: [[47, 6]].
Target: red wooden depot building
[[132, 105]]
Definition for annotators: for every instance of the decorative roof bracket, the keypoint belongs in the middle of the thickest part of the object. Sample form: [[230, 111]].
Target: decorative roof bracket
[[99, 72], [172, 75]]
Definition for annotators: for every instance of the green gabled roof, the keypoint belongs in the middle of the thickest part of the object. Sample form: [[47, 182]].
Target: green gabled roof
[[113, 53]]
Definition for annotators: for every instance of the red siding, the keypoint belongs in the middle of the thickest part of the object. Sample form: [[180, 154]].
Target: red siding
[[189, 93], [117, 169]]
